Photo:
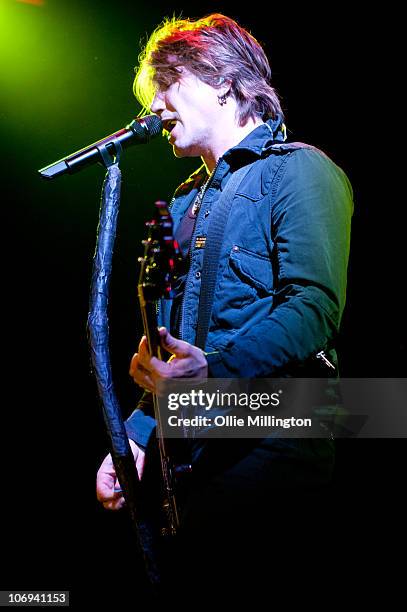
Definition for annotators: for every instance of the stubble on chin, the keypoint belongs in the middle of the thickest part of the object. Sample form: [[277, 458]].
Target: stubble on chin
[[189, 151]]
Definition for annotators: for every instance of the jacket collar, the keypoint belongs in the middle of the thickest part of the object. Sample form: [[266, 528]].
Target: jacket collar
[[257, 142], [261, 138]]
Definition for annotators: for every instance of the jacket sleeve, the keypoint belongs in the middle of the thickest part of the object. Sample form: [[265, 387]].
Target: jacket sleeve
[[141, 423], [311, 208]]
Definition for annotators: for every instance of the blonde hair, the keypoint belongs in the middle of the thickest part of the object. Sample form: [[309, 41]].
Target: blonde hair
[[216, 49]]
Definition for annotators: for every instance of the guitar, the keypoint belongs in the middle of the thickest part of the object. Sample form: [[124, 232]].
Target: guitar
[[158, 271]]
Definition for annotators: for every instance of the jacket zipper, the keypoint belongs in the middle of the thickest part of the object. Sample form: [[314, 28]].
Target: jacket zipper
[[188, 278], [157, 305]]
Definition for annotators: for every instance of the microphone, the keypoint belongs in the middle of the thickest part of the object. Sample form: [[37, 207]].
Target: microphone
[[139, 131]]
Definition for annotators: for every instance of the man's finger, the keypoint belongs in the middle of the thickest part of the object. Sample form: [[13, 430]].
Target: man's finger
[[137, 364], [171, 344], [160, 369], [143, 347], [142, 343], [104, 487], [115, 504]]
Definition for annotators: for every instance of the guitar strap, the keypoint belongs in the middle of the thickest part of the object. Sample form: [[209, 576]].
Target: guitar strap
[[213, 244]]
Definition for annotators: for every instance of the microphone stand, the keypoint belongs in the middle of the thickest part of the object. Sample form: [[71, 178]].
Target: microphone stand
[[98, 337]]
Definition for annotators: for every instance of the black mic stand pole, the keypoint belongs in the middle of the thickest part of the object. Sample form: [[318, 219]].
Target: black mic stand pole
[[98, 336]]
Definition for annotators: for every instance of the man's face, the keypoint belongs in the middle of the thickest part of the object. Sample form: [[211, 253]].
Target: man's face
[[194, 107]]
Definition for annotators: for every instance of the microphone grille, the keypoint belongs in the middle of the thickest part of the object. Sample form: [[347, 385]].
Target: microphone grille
[[146, 127], [153, 124]]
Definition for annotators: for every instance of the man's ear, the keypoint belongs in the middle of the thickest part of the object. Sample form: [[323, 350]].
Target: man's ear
[[224, 86]]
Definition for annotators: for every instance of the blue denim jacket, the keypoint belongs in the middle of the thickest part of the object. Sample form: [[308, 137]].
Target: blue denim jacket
[[285, 252]]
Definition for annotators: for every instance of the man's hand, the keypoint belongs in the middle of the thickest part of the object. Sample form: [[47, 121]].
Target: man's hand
[[106, 480], [186, 361]]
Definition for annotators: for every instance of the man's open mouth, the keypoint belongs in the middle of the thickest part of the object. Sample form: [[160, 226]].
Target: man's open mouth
[[169, 125]]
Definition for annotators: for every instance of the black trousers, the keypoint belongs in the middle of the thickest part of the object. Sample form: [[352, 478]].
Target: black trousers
[[255, 516]]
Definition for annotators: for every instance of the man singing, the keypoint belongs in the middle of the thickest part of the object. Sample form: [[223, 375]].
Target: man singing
[[279, 297]]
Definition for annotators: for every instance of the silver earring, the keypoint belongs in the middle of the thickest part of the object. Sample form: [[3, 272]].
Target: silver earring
[[222, 99]]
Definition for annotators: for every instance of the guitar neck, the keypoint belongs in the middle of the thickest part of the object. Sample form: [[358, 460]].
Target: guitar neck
[[158, 270], [150, 324]]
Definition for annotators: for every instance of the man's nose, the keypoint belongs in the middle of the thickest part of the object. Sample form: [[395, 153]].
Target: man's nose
[[157, 104]]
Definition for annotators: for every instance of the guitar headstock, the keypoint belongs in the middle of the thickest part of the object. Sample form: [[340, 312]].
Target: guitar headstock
[[161, 257]]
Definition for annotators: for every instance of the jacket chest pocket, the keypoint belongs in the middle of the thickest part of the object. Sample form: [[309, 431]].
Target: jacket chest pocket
[[247, 277]]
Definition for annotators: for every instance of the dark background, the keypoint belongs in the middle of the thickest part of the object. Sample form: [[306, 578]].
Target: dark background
[[67, 72]]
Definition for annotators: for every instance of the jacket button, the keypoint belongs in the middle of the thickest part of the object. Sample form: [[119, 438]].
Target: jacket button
[[235, 248], [207, 213], [197, 274]]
